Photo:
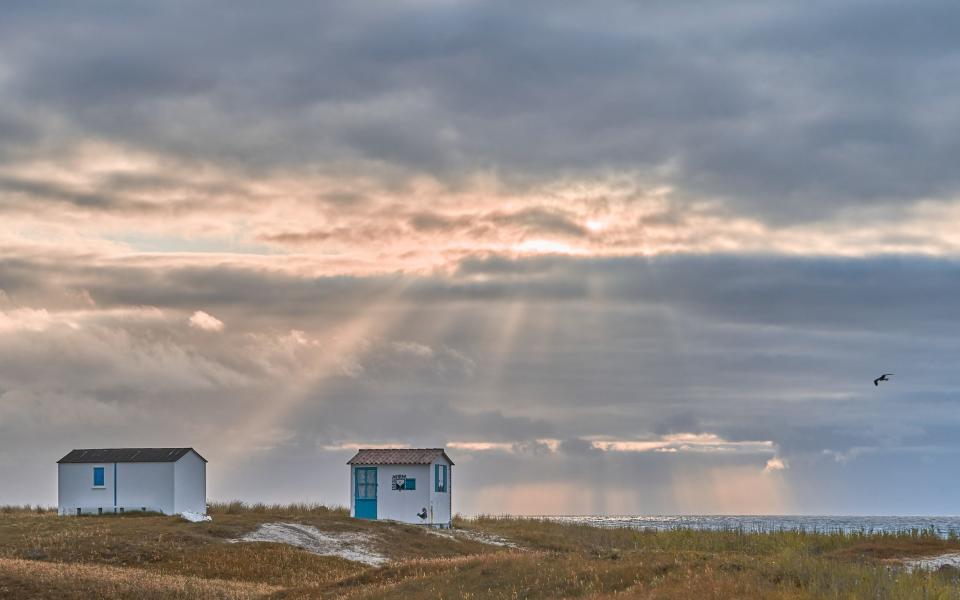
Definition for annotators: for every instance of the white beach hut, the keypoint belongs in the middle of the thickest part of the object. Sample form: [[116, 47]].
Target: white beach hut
[[412, 485], [171, 481]]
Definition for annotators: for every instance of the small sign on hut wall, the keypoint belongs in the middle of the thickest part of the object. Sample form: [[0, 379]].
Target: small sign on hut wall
[[401, 482]]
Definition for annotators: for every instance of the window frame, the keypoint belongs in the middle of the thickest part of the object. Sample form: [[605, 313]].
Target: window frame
[[103, 477], [368, 485]]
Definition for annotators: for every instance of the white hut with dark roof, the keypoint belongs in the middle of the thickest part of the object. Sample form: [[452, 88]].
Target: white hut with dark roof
[[411, 485], [171, 481]]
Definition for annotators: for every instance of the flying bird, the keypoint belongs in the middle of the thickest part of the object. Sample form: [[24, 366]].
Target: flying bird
[[884, 377]]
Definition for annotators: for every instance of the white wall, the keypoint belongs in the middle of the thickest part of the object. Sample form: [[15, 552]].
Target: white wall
[[138, 485], [147, 485], [75, 488], [402, 506], [394, 504], [170, 488], [190, 484], [441, 503]]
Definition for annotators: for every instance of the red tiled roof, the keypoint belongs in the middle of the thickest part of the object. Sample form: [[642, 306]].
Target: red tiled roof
[[397, 456]]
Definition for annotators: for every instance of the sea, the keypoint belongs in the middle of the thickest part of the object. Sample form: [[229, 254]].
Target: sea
[[942, 526]]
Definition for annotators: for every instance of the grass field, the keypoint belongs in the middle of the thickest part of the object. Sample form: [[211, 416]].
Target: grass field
[[152, 556]]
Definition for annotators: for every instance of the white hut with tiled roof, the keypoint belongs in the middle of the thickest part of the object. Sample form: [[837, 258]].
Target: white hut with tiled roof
[[411, 485]]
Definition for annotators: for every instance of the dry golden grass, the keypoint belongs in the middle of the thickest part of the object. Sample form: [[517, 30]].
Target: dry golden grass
[[236, 507], [11, 509], [665, 576], [44, 556], [37, 579], [275, 564]]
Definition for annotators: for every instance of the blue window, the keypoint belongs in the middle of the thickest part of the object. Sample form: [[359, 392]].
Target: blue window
[[365, 483], [98, 477], [409, 484], [440, 478]]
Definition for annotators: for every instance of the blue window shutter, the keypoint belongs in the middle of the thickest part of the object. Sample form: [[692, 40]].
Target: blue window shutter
[[98, 479], [410, 484]]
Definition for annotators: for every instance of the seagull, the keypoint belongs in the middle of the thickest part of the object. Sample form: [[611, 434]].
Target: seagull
[[884, 377], [423, 513]]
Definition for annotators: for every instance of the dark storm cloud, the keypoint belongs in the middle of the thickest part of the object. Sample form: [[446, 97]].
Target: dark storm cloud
[[414, 415], [541, 221], [829, 294], [579, 447], [824, 292], [530, 220], [13, 189], [787, 111]]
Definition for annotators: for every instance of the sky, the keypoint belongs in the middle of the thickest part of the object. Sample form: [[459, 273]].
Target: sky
[[616, 257]]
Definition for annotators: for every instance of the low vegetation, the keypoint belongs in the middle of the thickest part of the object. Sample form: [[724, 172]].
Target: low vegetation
[[152, 556]]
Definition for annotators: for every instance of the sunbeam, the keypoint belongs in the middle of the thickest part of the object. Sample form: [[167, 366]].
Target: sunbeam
[[377, 318]]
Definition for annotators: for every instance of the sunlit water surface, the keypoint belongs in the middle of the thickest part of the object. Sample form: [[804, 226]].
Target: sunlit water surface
[[943, 526]]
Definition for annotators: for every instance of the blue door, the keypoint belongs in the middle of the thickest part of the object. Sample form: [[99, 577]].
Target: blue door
[[365, 492]]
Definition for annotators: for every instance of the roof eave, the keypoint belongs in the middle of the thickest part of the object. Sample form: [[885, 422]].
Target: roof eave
[[64, 460], [197, 453], [360, 451]]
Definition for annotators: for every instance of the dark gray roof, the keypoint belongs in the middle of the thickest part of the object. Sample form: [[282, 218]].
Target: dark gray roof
[[397, 456], [127, 455]]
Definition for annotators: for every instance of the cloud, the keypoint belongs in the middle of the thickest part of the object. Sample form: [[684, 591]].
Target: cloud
[[685, 442], [24, 319], [205, 322], [774, 464], [710, 102], [480, 446], [380, 360], [682, 442]]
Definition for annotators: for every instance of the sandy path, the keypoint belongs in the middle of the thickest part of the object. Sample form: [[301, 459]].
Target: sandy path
[[932, 563], [351, 546], [475, 536]]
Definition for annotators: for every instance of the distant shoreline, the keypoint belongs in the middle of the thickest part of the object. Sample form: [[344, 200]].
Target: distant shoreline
[[943, 526]]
